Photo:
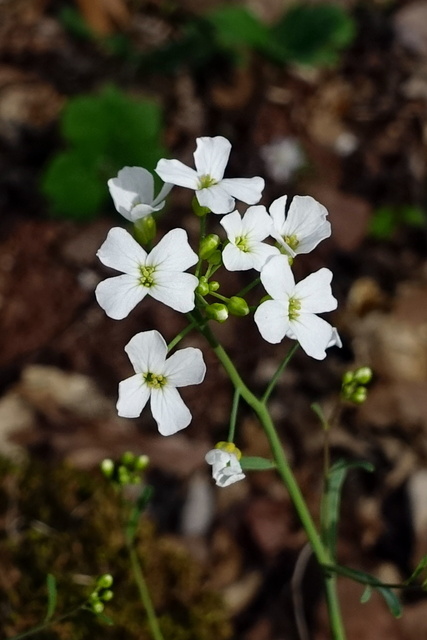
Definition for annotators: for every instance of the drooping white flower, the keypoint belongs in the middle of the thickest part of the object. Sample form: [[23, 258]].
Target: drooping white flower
[[302, 227], [226, 467], [133, 193], [246, 249], [156, 379], [159, 273], [292, 310], [212, 189]]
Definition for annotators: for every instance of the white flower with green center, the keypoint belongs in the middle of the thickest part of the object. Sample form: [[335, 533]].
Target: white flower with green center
[[133, 193], [212, 190], [156, 379], [225, 463], [159, 274], [292, 310], [304, 225], [246, 249]]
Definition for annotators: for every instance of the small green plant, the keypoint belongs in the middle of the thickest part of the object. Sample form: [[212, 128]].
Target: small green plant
[[102, 133], [387, 219]]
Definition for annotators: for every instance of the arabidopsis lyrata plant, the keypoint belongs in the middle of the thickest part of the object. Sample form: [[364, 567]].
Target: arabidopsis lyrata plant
[[257, 240], [133, 193], [207, 180]]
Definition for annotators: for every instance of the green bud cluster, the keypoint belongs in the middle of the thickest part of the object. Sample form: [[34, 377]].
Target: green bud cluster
[[354, 383], [127, 471], [208, 246], [101, 594]]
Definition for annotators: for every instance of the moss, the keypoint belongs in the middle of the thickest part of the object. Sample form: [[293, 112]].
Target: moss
[[67, 522]]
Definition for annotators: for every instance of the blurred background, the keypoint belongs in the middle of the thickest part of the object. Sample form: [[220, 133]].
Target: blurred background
[[322, 99]]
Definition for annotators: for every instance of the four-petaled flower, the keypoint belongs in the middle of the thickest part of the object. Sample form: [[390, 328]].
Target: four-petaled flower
[[156, 378], [302, 228], [246, 249], [159, 273], [292, 310], [212, 189], [133, 193], [226, 467]]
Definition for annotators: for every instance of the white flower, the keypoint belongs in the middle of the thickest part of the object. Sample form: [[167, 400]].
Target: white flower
[[304, 225], [212, 190], [246, 249], [133, 193], [159, 273], [282, 158], [226, 468], [156, 378], [292, 310]]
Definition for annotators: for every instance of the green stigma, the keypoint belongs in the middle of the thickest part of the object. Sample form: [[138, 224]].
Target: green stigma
[[206, 181], [291, 241], [294, 308], [146, 279], [155, 381], [241, 243]]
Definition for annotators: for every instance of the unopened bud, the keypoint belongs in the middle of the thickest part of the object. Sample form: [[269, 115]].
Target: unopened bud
[[107, 467], [238, 306], [198, 209], [359, 395], [363, 375], [128, 459], [203, 286], [215, 257], [107, 595], [217, 311], [144, 230], [214, 286], [142, 462], [208, 245], [347, 378], [105, 581], [97, 607]]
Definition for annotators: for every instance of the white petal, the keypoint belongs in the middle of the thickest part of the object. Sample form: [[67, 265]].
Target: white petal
[[173, 252], [164, 191], [119, 295], [217, 456], [185, 367], [261, 252], [175, 172], [211, 156], [335, 340], [175, 289], [133, 396], [232, 224], [306, 220], [277, 212], [272, 320], [131, 184], [215, 198], [277, 278], [142, 210], [313, 334], [314, 292], [120, 251], [247, 190], [147, 352], [169, 410], [229, 475], [235, 259], [257, 223]]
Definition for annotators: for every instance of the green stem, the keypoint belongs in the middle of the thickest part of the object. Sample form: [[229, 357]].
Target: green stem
[[46, 625], [233, 415], [144, 593], [181, 335], [282, 366], [285, 472], [248, 287]]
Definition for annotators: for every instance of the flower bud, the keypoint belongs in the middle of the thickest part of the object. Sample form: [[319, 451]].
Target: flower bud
[[105, 581], [214, 285], [238, 306], [347, 378], [203, 286], [142, 462], [97, 607], [217, 311], [359, 395], [128, 459], [363, 375], [198, 209], [215, 258], [208, 245], [107, 595], [144, 230], [107, 467]]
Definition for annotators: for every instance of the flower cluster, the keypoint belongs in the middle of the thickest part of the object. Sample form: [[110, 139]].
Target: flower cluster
[[264, 240]]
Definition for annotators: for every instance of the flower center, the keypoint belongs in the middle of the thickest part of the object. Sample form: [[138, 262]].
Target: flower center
[[155, 381], [206, 181], [291, 241], [241, 243], [146, 278], [294, 308]]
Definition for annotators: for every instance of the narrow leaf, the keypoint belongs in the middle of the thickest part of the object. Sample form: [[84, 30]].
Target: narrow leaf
[[256, 463], [418, 569], [105, 619], [366, 595], [51, 596], [392, 601]]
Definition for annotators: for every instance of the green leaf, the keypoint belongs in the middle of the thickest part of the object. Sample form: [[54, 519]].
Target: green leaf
[[418, 570], [392, 601], [313, 34], [331, 500], [366, 595], [51, 596], [105, 619], [236, 26], [140, 506], [383, 223], [256, 463]]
